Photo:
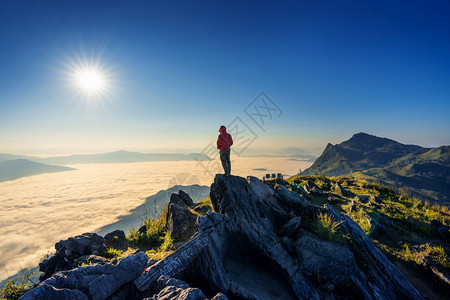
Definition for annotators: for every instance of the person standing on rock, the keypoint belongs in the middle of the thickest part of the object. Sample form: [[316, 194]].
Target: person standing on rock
[[224, 142]]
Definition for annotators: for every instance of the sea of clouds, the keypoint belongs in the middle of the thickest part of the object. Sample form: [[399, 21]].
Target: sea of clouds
[[38, 211]]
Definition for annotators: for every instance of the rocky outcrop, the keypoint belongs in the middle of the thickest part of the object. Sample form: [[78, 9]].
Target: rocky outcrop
[[175, 289], [258, 244], [339, 189], [181, 199], [202, 209], [179, 219], [90, 282], [68, 251], [256, 237]]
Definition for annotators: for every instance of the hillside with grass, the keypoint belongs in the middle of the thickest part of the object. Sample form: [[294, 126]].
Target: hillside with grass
[[413, 234], [425, 172]]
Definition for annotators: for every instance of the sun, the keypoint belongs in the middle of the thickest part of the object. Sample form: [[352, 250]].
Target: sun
[[91, 81]]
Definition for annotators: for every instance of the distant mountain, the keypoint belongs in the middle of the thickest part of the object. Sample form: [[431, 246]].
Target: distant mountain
[[4, 157], [290, 152], [123, 157], [112, 157], [293, 151], [14, 169], [424, 171]]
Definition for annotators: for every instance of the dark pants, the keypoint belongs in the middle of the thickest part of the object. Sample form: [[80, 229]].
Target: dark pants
[[225, 159]]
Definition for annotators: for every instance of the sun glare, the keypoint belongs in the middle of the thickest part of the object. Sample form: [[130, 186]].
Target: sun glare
[[90, 80]]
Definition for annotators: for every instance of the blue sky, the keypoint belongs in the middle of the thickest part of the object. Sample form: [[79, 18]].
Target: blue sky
[[177, 70]]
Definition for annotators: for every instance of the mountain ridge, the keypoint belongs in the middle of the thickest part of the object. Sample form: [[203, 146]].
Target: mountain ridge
[[424, 171]]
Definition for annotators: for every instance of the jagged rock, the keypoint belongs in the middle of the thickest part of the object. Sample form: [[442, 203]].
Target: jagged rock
[[116, 240], [202, 209], [291, 227], [90, 282], [47, 292], [181, 199], [289, 197], [338, 189], [316, 191], [362, 198], [373, 204], [375, 221], [331, 262], [179, 219], [352, 206], [174, 289], [375, 199], [219, 296], [428, 263], [69, 250], [387, 282], [310, 184], [237, 251], [89, 259], [435, 223], [304, 192]]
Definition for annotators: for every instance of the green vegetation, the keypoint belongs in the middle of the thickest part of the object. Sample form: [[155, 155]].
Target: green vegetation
[[326, 227], [12, 290], [394, 220], [113, 253], [167, 244], [365, 157], [155, 232], [157, 241], [16, 288]]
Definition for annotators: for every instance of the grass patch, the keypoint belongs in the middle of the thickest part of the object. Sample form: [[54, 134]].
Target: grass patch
[[113, 253], [155, 230], [13, 291], [326, 227]]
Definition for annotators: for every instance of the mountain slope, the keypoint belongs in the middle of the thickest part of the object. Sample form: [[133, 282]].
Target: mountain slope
[[424, 172], [14, 169]]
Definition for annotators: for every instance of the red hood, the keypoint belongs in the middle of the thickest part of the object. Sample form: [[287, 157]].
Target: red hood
[[222, 129]]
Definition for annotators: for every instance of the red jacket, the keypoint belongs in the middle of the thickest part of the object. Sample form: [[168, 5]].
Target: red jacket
[[224, 140]]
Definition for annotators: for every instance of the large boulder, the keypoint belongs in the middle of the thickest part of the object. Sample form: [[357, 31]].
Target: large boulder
[[96, 282], [181, 199], [67, 251], [291, 227], [174, 289], [179, 220], [331, 262]]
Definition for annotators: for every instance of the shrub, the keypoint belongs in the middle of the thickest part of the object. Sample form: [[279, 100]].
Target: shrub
[[167, 244], [155, 230], [359, 216], [13, 291], [112, 253], [326, 227]]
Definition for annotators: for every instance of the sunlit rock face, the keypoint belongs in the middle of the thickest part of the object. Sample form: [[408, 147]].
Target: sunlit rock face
[[255, 246]]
